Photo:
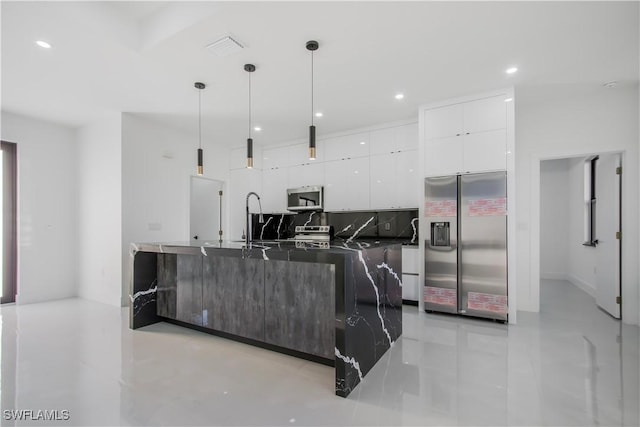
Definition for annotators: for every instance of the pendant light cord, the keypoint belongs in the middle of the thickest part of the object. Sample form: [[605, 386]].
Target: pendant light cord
[[311, 88], [249, 105], [200, 118]]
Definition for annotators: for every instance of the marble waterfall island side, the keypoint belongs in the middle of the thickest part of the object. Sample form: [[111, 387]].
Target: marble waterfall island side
[[340, 305]]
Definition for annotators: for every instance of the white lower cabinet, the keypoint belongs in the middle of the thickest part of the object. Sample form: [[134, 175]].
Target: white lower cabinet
[[410, 260], [274, 195], [346, 184], [410, 289]]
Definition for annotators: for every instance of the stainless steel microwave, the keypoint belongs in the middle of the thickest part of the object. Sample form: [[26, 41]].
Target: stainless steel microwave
[[309, 198]]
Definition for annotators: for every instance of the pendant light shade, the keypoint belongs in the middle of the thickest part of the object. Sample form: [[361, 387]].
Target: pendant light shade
[[200, 86], [312, 46], [249, 68]]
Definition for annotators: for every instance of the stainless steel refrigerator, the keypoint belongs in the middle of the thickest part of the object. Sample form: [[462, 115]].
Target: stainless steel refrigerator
[[466, 246]]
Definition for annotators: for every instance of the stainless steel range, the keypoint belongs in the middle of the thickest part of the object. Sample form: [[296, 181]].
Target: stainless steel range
[[313, 233]]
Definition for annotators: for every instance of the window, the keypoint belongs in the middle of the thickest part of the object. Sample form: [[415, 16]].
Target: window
[[590, 201]]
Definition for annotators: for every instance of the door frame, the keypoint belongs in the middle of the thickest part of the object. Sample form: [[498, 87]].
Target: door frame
[[534, 238]]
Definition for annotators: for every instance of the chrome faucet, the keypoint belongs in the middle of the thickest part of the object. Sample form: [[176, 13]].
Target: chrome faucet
[[249, 235]]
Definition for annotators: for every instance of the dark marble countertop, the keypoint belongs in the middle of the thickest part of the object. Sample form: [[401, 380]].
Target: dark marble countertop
[[334, 246]]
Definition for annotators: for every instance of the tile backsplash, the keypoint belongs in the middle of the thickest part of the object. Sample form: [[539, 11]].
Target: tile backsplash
[[397, 224]]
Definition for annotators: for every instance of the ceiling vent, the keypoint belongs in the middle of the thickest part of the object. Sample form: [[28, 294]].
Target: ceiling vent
[[225, 46]]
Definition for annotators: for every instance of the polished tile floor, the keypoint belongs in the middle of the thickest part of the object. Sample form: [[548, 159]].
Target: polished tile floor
[[570, 364]]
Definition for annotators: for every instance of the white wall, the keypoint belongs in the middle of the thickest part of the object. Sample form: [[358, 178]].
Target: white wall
[[99, 177], [157, 163], [554, 219], [47, 208], [566, 121]]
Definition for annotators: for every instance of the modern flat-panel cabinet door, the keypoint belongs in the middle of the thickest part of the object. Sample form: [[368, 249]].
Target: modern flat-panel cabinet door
[[347, 184], [485, 151], [310, 173], [300, 297], [274, 184], [443, 156], [485, 114], [408, 184], [233, 295], [444, 121], [384, 181]]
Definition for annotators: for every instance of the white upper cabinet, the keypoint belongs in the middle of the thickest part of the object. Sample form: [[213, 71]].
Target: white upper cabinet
[[347, 184], [274, 185], [384, 181], [276, 157], [407, 137], [408, 179], [383, 141], [444, 121], [485, 151], [394, 182], [305, 175], [443, 156], [398, 138], [466, 137], [485, 114], [346, 147]]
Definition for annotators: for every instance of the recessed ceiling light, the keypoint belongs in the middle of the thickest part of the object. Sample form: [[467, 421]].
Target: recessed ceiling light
[[362, 142], [511, 70], [355, 171], [43, 44], [257, 128], [319, 114], [508, 100], [399, 95]]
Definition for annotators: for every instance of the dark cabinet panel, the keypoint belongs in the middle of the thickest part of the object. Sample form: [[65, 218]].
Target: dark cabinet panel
[[189, 292], [167, 285], [300, 297], [180, 287], [233, 295]]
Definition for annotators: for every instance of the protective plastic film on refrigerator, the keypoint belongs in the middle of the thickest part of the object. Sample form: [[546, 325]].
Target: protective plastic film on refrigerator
[[466, 250]]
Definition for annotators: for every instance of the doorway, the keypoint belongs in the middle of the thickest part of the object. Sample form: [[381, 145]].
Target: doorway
[[205, 213], [8, 219], [580, 225]]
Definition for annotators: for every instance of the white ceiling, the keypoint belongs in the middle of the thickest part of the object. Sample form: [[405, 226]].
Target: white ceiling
[[144, 57]]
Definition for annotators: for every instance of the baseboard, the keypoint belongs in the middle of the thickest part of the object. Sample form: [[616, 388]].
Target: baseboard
[[550, 275], [587, 287]]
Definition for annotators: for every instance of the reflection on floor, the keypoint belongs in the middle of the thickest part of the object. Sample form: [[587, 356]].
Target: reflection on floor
[[570, 364]]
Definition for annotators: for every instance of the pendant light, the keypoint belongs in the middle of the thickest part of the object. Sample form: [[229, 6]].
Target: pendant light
[[200, 86], [312, 46], [249, 68]]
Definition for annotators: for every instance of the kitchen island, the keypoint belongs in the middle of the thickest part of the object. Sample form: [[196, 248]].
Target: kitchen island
[[335, 303]]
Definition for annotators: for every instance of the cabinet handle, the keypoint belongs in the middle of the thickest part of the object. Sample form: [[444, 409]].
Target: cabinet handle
[[467, 133], [457, 134]]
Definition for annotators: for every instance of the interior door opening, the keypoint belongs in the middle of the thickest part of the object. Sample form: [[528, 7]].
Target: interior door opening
[[206, 210], [8, 221], [580, 229]]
